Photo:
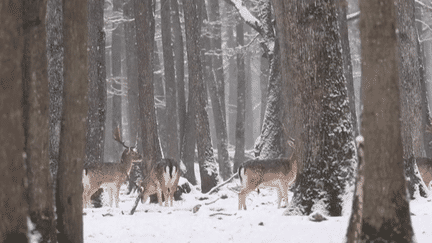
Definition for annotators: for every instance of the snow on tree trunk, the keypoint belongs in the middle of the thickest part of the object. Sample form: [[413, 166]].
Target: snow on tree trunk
[[208, 166], [316, 106]]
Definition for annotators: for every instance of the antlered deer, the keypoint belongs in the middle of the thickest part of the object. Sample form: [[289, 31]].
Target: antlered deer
[[111, 174], [279, 173], [162, 179]]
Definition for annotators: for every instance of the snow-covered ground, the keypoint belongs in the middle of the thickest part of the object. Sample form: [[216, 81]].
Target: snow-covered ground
[[222, 222]]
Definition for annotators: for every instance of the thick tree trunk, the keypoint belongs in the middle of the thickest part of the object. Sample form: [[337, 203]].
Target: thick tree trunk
[[144, 21], [97, 91], [72, 135], [13, 202], [385, 211], [264, 77], [208, 166], [410, 93], [36, 118], [316, 112], [172, 150], [159, 94]]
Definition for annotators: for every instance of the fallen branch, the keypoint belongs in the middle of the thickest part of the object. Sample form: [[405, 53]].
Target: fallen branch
[[220, 185], [226, 214], [212, 202]]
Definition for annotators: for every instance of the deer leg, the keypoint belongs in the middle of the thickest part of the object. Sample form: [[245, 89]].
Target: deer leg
[[159, 195], [242, 197], [117, 195]]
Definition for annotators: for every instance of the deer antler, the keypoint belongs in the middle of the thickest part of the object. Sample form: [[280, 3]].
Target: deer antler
[[117, 137]]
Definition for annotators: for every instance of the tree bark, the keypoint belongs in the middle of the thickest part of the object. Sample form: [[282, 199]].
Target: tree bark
[[36, 118], [385, 213], [208, 166], [172, 150], [225, 166], [316, 117], [72, 135], [144, 21], [179, 65], [97, 91], [410, 93], [13, 202], [216, 45], [116, 80], [132, 77], [241, 100]]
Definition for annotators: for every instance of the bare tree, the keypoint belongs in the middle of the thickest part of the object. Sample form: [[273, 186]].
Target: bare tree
[[208, 166], [384, 215]]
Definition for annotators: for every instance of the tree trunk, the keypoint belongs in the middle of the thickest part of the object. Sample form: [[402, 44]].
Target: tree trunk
[[231, 76], [241, 100], [144, 21], [410, 93], [160, 97], [216, 46], [385, 211], [225, 166], [172, 150], [72, 135], [13, 202], [347, 66], [116, 80], [55, 76], [97, 92], [316, 115], [208, 166], [179, 65], [132, 76], [36, 118], [264, 77]]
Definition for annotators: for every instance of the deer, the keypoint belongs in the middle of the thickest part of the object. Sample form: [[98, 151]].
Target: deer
[[162, 180], [111, 174], [425, 168], [260, 173]]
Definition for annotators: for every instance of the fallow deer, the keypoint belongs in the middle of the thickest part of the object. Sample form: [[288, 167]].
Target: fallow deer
[[254, 174], [110, 174], [163, 179], [425, 168]]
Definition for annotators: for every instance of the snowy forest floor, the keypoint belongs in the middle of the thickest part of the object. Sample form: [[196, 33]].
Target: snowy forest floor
[[222, 222]]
